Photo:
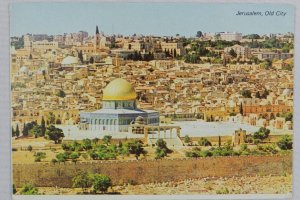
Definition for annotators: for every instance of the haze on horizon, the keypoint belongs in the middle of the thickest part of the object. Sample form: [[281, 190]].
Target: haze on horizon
[[159, 19]]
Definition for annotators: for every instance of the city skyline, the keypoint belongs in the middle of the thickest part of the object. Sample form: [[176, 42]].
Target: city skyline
[[129, 18]]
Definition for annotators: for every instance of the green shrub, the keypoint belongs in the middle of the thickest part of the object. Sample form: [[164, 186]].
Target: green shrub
[[187, 139], [14, 189], [29, 148], [262, 133], [286, 142], [223, 191], [83, 180], [204, 142], [74, 156], [101, 183], [61, 157], [39, 156], [244, 147], [29, 189]]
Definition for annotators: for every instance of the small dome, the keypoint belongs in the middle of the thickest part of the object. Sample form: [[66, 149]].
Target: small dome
[[139, 120], [119, 89], [287, 92], [69, 60], [24, 69]]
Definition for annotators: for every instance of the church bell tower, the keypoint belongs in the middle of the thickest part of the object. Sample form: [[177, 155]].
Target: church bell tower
[[97, 40]]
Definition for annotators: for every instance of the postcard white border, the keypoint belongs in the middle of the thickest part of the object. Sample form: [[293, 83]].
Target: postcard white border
[[5, 144]]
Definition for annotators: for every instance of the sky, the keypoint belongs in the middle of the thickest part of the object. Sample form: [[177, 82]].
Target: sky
[[161, 19]]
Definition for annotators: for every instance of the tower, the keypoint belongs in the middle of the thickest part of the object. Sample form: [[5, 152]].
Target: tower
[[97, 40], [28, 42]]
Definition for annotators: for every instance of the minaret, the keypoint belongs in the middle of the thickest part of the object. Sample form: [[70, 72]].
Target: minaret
[[97, 40]]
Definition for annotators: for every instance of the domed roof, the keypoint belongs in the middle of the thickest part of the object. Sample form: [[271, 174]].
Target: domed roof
[[139, 120], [119, 89], [287, 92], [24, 69], [69, 60]]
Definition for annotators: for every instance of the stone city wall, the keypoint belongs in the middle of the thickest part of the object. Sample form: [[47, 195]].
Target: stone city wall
[[224, 139], [146, 171]]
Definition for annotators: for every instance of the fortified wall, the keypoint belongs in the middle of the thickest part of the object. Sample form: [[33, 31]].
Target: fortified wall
[[146, 171]]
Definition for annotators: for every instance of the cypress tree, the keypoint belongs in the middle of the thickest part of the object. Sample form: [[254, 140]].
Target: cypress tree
[[13, 133], [17, 131], [25, 130], [241, 109], [43, 126]]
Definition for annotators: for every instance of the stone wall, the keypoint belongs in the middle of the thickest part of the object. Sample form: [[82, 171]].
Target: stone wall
[[145, 171], [212, 139]]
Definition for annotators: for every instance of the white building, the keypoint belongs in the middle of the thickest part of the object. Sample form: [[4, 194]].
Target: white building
[[231, 36]]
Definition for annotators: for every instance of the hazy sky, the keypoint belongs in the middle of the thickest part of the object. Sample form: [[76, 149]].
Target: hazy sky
[[147, 18]]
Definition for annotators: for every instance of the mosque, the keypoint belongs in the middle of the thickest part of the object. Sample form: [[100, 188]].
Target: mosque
[[119, 110]]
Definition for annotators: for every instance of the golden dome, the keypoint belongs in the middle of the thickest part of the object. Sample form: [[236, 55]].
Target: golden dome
[[119, 89]]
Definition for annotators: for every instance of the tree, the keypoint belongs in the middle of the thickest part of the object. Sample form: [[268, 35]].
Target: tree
[[262, 133], [74, 156], [61, 94], [36, 131], [232, 53], [43, 126], [246, 93], [61, 157], [95, 140], [257, 95], [39, 156], [80, 56], [29, 148], [106, 139], [160, 153], [25, 130], [87, 144], [29, 189], [162, 149], [265, 94], [174, 53], [101, 183], [14, 189], [92, 60], [136, 148], [160, 143], [13, 132], [199, 34], [219, 143], [82, 180], [204, 142], [51, 118], [241, 109], [286, 142], [55, 134], [17, 131], [267, 64], [187, 139], [288, 116]]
